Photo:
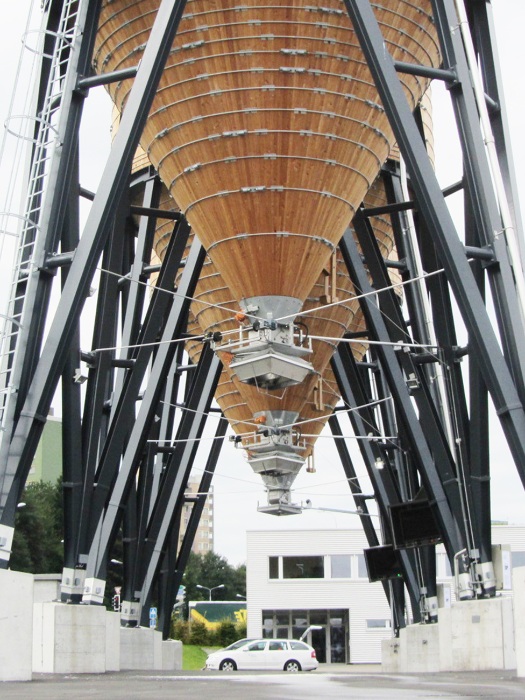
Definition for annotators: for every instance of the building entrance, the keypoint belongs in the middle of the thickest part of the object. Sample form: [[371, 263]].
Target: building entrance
[[330, 641]]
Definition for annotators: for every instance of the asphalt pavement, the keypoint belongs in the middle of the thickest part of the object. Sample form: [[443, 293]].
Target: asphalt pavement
[[329, 681]]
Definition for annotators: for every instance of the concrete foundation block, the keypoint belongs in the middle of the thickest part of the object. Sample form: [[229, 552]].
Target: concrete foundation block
[[171, 655], [477, 635], [140, 649], [113, 641], [518, 586], [393, 658], [422, 648], [46, 588], [16, 625], [69, 638]]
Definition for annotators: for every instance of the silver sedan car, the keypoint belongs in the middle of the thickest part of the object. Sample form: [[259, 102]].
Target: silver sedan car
[[265, 655]]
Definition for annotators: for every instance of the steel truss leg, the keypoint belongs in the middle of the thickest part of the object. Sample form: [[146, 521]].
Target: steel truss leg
[[106, 513], [175, 559], [385, 488], [123, 407], [504, 384], [171, 495], [395, 597], [28, 429], [420, 451], [33, 291], [468, 432]]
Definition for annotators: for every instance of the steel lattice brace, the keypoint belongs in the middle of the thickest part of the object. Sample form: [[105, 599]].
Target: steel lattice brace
[[104, 430]]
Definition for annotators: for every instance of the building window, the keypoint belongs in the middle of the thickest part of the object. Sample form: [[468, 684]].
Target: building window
[[361, 566], [377, 624], [340, 566], [303, 567], [518, 559], [299, 623], [274, 567]]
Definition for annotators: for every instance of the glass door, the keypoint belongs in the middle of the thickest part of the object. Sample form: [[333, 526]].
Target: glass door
[[318, 641]]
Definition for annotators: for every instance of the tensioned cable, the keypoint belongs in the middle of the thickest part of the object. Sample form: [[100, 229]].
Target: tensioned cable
[[328, 415], [258, 483], [287, 426], [302, 313], [162, 342], [395, 285], [394, 343], [146, 345], [373, 438], [175, 294], [371, 426], [209, 413]]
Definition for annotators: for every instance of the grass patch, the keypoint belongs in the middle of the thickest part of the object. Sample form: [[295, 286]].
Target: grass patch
[[193, 657]]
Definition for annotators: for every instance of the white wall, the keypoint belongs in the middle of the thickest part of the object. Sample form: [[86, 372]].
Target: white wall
[[364, 600]]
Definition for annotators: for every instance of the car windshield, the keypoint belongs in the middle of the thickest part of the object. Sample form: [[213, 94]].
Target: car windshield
[[239, 643]]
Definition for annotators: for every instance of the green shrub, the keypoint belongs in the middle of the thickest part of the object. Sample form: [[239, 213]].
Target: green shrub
[[180, 630], [226, 633], [199, 634]]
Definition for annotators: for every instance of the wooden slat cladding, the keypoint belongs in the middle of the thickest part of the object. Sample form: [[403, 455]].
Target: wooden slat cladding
[[316, 397], [267, 128]]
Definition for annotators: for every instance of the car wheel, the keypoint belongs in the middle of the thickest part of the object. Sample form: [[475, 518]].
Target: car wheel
[[292, 666], [228, 665]]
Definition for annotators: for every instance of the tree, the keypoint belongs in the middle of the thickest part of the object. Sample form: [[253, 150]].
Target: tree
[[37, 541], [213, 570]]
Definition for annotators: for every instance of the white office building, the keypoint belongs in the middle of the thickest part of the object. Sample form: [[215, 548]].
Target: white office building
[[319, 577]]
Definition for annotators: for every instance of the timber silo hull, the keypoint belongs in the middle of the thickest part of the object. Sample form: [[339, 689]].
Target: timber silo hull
[[267, 128]]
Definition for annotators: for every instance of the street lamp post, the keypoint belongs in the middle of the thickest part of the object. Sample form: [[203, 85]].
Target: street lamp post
[[205, 588]]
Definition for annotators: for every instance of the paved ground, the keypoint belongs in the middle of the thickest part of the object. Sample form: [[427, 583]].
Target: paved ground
[[327, 682]]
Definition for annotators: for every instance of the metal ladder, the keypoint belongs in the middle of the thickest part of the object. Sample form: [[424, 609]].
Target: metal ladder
[[43, 144]]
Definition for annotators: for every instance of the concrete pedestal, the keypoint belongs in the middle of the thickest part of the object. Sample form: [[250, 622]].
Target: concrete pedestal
[[46, 588], [518, 586], [16, 625], [415, 651], [393, 655], [477, 635], [142, 649], [171, 655], [74, 638], [422, 653]]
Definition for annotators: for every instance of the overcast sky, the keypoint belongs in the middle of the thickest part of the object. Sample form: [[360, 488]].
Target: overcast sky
[[237, 490]]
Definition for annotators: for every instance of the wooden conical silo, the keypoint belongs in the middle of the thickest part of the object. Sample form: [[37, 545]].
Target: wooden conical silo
[[268, 132]]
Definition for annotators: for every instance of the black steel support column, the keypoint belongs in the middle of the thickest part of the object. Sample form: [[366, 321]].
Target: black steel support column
[[385, 489], [396, 601], [454, 541], [100, 375], [178, 467], [432, 206], [484, 38], [176, 558], [72, 465], [108, 499], [113, 183]]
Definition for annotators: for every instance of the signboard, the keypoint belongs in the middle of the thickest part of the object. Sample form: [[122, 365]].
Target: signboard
[[153, 617]]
